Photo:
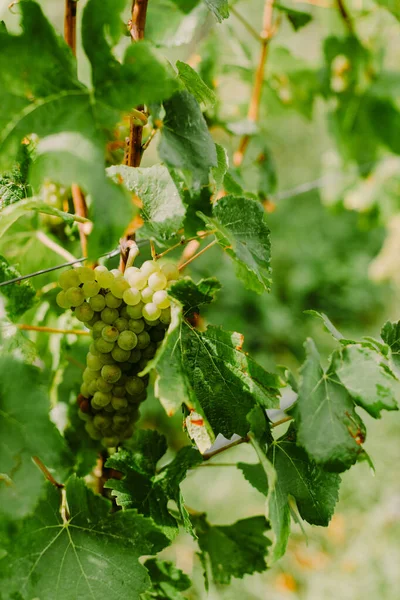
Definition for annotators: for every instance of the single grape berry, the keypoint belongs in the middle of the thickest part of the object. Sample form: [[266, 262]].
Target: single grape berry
[[127, 340], [102, 398], [90, 375], [85, 274], [118, 403], [103, 346], [135, 356], [97, 329], [75, 296], [170, 270], [137, 280], [90, 289], [131, 296], [111, 373], [134, 312], [112, 301], [165, 316], [121, 324], [143, 340], [110, 333], [120, 355], [149, 267], [69, 279], [157, 281], [161, 299], [134, 385], [62, 301], [97, 302], [109, 315], [136, 325], [151, 312], [104, 278], [147, 295], [84, 312], [103, 385], [93, 362], [118, 287]]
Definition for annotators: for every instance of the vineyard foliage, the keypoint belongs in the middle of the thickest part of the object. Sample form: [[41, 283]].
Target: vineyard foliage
[[154, 143]]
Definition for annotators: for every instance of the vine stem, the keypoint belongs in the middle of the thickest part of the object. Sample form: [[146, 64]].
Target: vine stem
[[46, 472], [245, 23], [25, 327], [185, 264], [80, 207], [345, 16], [70, 24], [184, 241], [254, 106]]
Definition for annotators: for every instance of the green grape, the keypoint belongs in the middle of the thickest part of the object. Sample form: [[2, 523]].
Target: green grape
[[97, 329], [119, 391], [157, 281], [109, 315], [85, 274], [92, 387], [134, 312], [109, 408], [165, 316], [151, 312], [84, 312], [97, 302], [149, 267], [104, 278], [134, 385], [90, 375], [127, 340], [116, 273], [103, 385], [111, 373], [137, 280], [92, 431], [149, 325], [93, 362], [62, 301], [136, 325], [131, 296], [110, 442], [110, 333], [102, 421], [103, 346], [121, 324], [106, 358], [100, 269], [95, 407], [142, 397], [119, 403], [118, 287], [75, 296], [143, 340], [135, 356], [93, 350], [170, 270], [112, 301], [157, 334], [123, 312], [91, 288], [93, 320], [85, 390], [69, 279], [161, 299], [84, 416], [102, 398], [130, 270], [120, 355], [150, 351], [147, 295]]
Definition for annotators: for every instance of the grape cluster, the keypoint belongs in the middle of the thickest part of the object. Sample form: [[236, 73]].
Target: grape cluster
[[128, 315]]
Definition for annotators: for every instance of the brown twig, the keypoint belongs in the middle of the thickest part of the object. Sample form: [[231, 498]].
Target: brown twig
[[254, 106], [25, 327], [70, 24], [243, 440], [80, 207], [345, 16], [46, 472]]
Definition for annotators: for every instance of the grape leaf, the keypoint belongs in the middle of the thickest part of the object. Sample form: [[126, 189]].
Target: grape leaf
[[392, 6], [195, 85], [194, 295], [26, 431], [20, 296], [390, 333], [315, 490], [162, 208], [146, 490], [328, 427], [255, 475], [329, 326], [84, 552], [167, 581], [185, 140], [71, 158], [297, 18], [222, 167], [243, 233], [220, 8], [234, 550], [368, 379]]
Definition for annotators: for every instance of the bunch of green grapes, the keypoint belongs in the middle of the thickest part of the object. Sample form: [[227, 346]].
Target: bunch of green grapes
[[128, 315]]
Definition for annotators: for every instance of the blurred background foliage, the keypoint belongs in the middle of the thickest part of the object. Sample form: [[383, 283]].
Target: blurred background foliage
[[333, 196]]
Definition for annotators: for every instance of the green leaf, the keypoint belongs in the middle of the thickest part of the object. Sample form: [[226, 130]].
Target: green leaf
[[122, 85], [20, 296], [297, 18], [222, 167], [173, 23], [185, 140], [243, 233], [267, 174], [195, 85], [392, 6], [71, 158], [368, 379], [329, 326], [167, 581], [194, 295], [163, 210], [390, 333], [315, 490], [81, 551], [255, 475], [234, 550], [26, 431], [146, 490], [328, 427], [219, 8]]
